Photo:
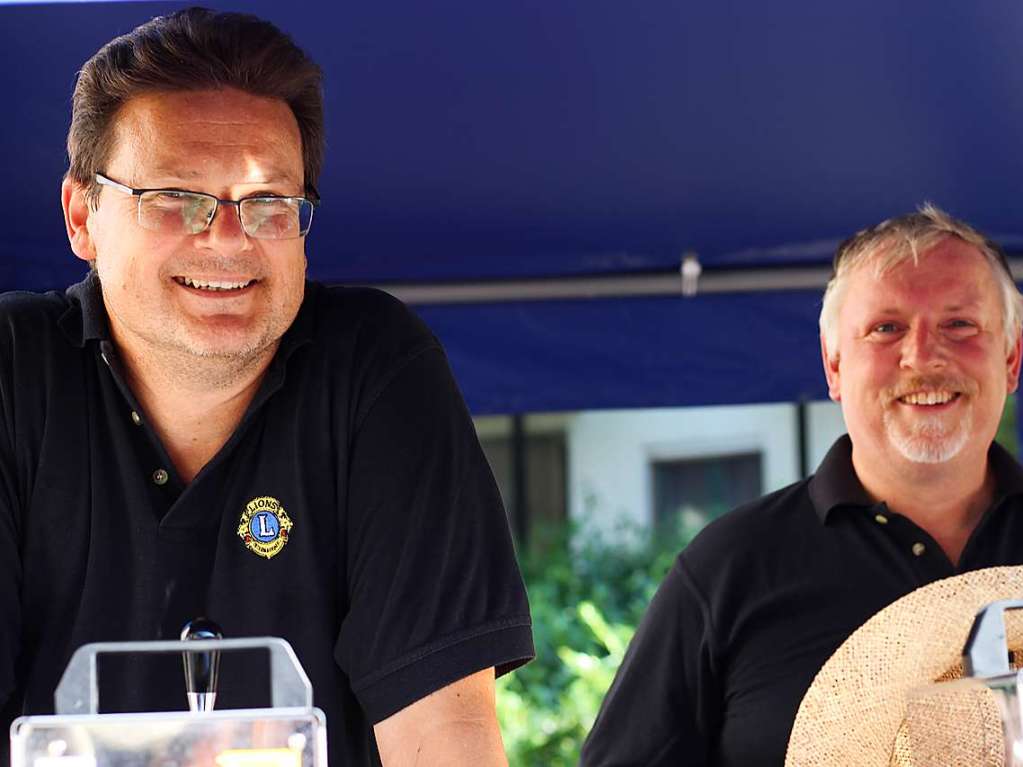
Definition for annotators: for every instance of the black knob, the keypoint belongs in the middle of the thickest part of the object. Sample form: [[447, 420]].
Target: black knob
[[201, 668]]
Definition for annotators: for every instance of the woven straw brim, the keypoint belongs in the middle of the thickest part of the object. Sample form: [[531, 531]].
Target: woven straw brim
[[854, 710]]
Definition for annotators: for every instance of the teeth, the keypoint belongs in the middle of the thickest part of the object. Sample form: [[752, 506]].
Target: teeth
[[212, 284], [928, 398]]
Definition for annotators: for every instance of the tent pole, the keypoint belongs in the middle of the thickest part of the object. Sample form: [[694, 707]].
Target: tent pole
[[621, 285], [802, 426]]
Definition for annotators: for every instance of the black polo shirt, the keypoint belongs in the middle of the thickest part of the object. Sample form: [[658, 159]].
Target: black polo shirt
[[758, 602], [352, 512]]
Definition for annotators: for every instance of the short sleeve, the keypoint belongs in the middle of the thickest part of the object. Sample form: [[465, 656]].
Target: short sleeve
[[663, 705], [434, 590]]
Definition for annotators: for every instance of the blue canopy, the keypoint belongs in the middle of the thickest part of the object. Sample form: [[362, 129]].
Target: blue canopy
[[478, 141]]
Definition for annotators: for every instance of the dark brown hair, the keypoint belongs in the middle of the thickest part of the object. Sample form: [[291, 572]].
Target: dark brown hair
[[192, 49]]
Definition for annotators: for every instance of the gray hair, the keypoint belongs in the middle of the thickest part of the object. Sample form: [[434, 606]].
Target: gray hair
[[898, 240]]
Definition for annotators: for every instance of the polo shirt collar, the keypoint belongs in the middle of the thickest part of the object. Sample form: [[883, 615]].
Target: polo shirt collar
[[836, 485], [86, 317], [1008, 473]]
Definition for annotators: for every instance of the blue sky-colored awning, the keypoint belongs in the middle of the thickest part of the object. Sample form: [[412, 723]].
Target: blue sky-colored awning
[[534, 139]]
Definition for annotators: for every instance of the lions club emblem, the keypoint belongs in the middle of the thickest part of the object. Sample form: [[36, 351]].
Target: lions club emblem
[[264, 526]]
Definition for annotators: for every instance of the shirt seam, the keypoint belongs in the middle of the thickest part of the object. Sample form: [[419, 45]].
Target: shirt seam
[[689, 582], [668, 745], [388, 379], [452, 640]]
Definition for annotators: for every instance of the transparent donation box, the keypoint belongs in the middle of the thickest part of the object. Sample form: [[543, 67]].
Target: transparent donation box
[[976, 720], [291, 733]]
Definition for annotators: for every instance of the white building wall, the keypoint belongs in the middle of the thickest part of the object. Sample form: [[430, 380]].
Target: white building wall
[[610, 452], [825, 426]]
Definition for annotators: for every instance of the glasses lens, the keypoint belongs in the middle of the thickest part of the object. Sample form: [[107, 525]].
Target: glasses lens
[[276, 218], [176, 212]]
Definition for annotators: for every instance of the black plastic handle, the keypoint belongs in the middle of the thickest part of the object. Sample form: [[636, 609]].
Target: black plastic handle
[[201, 668]]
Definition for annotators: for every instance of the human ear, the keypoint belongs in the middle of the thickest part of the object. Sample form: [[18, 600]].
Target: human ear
[[831, 371], [1012, 364], [76, 219]]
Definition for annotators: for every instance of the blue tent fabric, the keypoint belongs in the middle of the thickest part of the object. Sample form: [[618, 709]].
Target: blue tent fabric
[[530, 139], [645, 352]]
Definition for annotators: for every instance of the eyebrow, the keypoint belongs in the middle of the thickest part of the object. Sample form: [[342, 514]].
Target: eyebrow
[[956, 307], [274, 176], [963, 306], [174, 173]]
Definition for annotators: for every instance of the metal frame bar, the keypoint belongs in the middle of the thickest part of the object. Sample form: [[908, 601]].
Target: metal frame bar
[[621, 286]]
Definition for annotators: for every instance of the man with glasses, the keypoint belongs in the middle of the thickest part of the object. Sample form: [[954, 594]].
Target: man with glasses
[[195, 430]]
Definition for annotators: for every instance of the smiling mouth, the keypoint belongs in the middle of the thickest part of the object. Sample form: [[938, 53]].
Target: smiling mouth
[[214, 286], [930, 398]]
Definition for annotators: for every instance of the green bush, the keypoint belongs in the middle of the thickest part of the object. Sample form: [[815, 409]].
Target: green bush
[[587, 595], [1008, 429]]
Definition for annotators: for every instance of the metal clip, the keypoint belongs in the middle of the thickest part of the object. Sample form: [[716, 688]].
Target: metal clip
[[690, 271]]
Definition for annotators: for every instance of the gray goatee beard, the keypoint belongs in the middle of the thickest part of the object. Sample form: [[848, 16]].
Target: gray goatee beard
[[929, 438]]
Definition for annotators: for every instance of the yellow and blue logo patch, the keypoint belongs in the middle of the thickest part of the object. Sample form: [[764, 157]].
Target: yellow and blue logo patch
[[264, 526]]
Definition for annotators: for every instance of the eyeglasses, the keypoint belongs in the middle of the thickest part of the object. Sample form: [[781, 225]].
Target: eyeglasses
[[175, 211]]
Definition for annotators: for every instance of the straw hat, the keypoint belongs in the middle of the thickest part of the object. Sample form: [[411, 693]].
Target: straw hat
[[865, 707]]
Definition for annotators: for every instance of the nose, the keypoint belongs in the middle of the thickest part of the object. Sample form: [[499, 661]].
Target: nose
[[225, 232], [922, 349]]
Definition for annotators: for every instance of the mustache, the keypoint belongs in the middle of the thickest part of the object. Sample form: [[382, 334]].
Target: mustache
[[214, 263], [925, 383]]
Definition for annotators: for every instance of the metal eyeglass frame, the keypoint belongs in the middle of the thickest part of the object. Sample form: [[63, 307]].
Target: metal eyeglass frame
[[104, 180]]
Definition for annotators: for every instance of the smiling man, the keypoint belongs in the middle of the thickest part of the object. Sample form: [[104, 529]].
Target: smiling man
[[920, 339], [196, 430]]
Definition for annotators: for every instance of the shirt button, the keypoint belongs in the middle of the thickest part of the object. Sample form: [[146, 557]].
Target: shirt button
[[136, 418], [160, 477], [919, 549], [881, 519]]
